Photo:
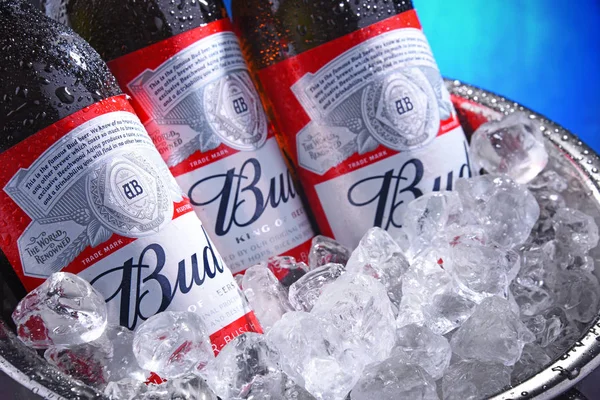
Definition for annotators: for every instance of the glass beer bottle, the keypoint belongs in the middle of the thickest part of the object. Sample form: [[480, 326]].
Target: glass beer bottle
[[84, 189], [183, 67], [362, 109]]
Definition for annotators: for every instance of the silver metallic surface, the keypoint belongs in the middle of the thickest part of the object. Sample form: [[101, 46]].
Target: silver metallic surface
[[26, 367]]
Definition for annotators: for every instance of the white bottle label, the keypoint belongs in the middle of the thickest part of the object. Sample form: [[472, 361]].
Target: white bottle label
[[100, 202]]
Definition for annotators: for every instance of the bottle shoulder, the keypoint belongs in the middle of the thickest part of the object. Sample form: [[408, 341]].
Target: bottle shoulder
[[119, 27], [279, 29], [52, 73]]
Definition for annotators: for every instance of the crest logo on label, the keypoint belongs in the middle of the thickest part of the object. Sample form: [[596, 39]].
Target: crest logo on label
[[234, 112], [401, 111], [385, 91], [200, 98], [128, 196]]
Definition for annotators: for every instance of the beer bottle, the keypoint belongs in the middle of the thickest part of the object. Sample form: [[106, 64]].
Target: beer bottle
[[85, 191], [183, 67], [362, 109]]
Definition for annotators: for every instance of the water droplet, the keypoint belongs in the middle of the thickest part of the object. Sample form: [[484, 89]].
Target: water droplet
[[64, 95], [159, 23], [301, 30], [572, 374]]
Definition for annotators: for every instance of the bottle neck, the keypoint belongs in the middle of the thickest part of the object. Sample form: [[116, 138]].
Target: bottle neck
[[272, 31], [119, 27]]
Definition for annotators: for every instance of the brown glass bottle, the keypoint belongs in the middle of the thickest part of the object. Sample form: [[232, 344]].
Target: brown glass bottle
[[85, 191], [356, 94], [183, 67], [39, 87]]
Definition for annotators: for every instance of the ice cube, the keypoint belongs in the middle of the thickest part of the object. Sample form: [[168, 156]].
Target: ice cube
[[428, 215], [403, 240], [578, 293], [543, 230], [359, 307], [481, 270], [125, 389], [172, 343], [426, 277], [447, 311], [410, 310], [492, 334], [282, 262], [63, 311], [86, 362], [547, 326], [513, 146], [582, 263], [287, 269], [514, 307], [155, 392], [267, 297], [108, 358], [189, 387], [539, 268], [247, 362], [506, 209], [315, 355], [429, 273], [392, 379], [531, 299], [569, 335], [549, 180], [123, 364], [474, 380], [304, 293], [379, 256], [575, 232], [550, 202], [295, 392], [420, 346], [533, 360], [279, 387], [325, 250]]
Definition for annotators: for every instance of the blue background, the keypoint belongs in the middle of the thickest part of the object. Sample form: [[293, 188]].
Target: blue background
[[543, 54]]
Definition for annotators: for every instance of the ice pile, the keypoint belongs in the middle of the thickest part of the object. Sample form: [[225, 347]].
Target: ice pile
[[487, 284], [67, 317], [484, 287]]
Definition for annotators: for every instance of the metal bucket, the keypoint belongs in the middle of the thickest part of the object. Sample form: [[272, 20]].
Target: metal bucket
[[475, 106]]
